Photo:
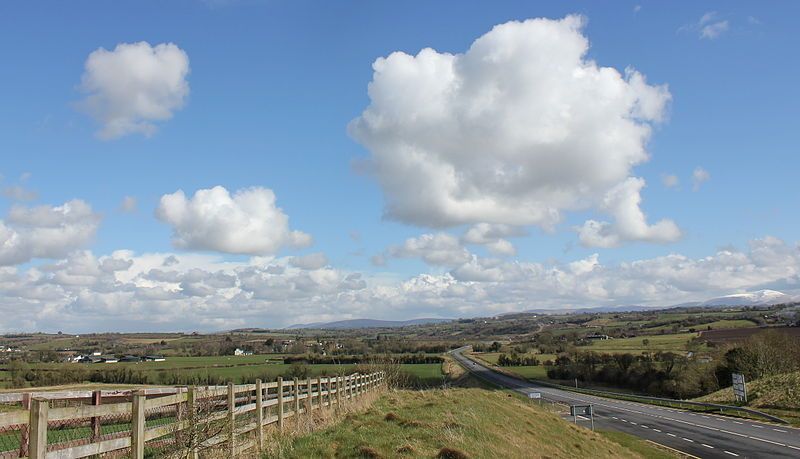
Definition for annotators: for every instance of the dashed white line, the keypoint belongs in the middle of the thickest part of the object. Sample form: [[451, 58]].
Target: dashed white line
[[707, 446], [756, 426], [656, 430], [737, 422], [732, 454], [779, 430], [671, 435], [688, 439], [634, 423]]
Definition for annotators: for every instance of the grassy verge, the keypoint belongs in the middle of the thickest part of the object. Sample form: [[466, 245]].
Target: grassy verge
[[455, 423]]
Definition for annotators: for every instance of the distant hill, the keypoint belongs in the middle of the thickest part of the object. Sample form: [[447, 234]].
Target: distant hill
[[368, 323]]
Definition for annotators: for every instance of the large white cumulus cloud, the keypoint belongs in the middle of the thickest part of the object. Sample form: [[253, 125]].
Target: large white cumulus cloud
[[516, 130], [247, 222], [134, 86], [46, 231]]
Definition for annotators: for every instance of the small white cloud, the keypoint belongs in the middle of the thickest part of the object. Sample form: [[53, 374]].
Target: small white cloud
[[128, 204], [134, 86], [708, 27], [714, 30], [440, 249], [630, 223], [46, 231], [699, 176], [670, 180], [248, 222], [492, 236], [637, 8]]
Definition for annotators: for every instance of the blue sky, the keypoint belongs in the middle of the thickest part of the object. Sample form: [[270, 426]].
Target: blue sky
[[273, 86]]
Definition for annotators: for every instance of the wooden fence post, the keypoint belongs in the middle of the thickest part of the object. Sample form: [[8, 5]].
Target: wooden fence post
[[339, 392], [319, 392], [330, 393], [231, 420], [297, 401], [280, 404], [137, 425], [260, 414], [97, 399], [309, 400], [190, 408], [37, 439]]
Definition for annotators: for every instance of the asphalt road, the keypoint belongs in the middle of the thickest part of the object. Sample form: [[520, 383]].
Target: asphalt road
[[701, 435]]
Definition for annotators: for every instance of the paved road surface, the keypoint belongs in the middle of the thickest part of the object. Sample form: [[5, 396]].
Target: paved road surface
[[701, 435]]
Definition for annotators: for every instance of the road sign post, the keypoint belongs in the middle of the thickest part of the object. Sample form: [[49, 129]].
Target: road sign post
[[535, 396], [739, 387]]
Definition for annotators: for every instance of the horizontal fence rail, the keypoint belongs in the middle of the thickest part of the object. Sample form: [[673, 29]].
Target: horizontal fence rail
[[161, 421]]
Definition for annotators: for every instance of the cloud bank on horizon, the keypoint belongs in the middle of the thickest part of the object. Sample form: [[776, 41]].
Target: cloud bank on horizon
[[477, 148]]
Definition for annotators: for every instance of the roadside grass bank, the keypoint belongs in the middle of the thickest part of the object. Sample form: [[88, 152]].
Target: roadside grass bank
[[456, 423], [778, 395]]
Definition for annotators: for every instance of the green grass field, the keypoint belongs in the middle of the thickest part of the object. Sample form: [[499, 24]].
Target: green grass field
[[236, 369], [676, 343]]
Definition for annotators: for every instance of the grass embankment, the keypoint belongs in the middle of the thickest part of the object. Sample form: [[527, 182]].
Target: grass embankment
[[778, 395], [458, 423]]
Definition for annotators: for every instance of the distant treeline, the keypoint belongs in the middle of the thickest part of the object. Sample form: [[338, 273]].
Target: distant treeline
[[674, 375], [514, 360]]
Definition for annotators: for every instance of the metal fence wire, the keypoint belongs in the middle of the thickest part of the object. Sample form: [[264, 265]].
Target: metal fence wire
[[71, 432], [11, 440]]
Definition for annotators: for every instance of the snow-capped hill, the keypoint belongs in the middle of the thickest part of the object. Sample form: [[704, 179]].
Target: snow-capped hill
[[760, 297]]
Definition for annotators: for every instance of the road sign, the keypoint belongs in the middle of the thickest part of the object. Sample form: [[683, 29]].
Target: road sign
[[535, 395], [739, 387], [582, 410]]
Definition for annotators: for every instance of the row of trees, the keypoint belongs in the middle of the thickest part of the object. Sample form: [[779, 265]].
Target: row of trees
[[673, 375], [515, 360]]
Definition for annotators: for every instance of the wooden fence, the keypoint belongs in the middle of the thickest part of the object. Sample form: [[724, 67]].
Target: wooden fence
[[227, 420]]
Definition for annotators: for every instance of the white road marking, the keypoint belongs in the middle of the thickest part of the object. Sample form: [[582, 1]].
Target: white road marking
[[656, 430], [737, 422], [756, 426], [779, 430], [672, 435], [732, 454], [707, 446], [688, 439]]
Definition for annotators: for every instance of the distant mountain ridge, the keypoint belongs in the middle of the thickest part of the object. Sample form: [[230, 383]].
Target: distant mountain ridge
[[368, 323]]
